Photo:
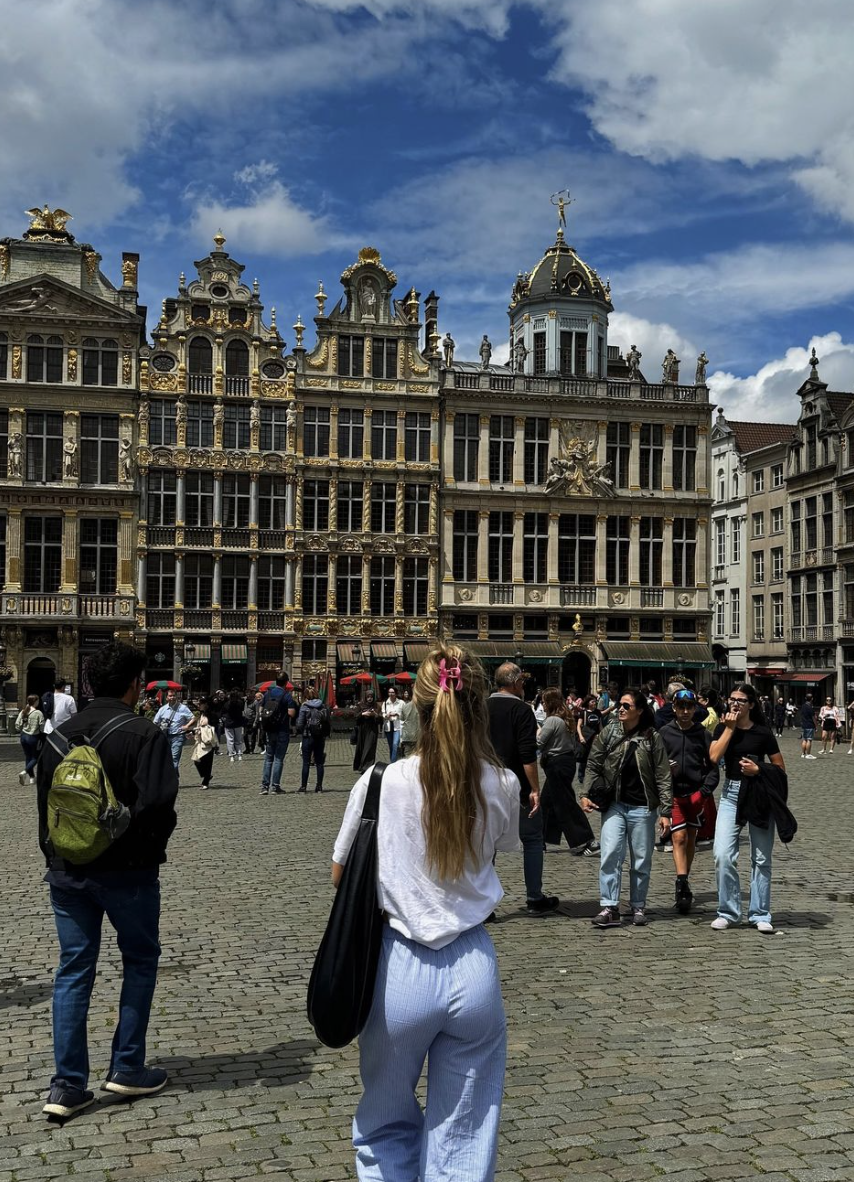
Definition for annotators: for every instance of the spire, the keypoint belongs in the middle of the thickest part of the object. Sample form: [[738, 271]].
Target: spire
[[814, 363], [219, 240]]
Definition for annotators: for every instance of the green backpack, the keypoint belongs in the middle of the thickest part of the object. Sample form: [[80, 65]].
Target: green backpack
[[84, 817]]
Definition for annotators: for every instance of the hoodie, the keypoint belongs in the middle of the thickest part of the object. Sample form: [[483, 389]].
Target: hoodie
[[689, 751], [313, 708]]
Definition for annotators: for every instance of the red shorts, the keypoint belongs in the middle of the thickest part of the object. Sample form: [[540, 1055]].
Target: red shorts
[[686, 814]]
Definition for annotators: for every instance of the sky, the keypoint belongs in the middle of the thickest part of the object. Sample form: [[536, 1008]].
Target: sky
[[708, 147]]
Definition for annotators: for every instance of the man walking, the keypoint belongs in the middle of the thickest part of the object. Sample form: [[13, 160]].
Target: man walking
[[807, 727], [57, 706], [314, 724], [278, 710], [513, 730], [121, 883], [174, 718]]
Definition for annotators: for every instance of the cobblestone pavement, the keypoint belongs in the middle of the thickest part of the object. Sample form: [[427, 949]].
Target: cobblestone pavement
[[671, 1050]]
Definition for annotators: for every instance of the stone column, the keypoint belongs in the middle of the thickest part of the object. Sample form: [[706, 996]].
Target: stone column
[[14, 551], [602, 443], [289, 582], [634, 551], [554, 439], [179, 579], [333, 431], [331, 585], [483, 546], [398, 586], [366, 439], [126, 548], [483, 451], [217, 581], [448, 547], [450, 416], [667, 461], [141, 575], [433, 510], [289, 503], [518, 547], [253, 500], [551, 570], [432, 601], [434, 438], [71, 440], [400, 493], [253, 582], [333, 503], [703, 471], [667, 553], [366, 507], [366, 585], [70, 547], [401, 437], [601, 549], [181, 498], [634, 458], [298, 503], [217, 505], [519, 451], [298, 583]]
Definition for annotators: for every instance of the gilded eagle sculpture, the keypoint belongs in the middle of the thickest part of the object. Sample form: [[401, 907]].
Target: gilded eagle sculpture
[[48, 219]]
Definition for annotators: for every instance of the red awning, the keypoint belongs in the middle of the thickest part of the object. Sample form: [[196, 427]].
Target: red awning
[[809, 678], [778, 673]]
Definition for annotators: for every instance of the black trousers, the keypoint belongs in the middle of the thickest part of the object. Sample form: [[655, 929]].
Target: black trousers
[[204, 766], [562, 814]]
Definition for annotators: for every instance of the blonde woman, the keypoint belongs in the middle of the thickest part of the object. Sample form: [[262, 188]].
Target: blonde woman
[[443, 815], [30, 726]]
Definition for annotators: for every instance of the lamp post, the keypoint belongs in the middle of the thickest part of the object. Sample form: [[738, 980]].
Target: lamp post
[[5, 675], [188, 666]]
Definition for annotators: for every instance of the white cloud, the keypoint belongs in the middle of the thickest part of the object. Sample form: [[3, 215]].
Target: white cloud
[[262, 172], [653, 340], [769, 394], [270, 222]]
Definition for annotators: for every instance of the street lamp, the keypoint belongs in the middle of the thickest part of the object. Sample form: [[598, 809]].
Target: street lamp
[[5, 675]]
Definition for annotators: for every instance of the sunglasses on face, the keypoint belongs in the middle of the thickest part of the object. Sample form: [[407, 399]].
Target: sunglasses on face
[[627, 706]]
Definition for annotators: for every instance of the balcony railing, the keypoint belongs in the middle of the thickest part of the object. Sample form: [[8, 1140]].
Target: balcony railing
[[574, 387], [98, 607], [846, 628], [271, 621], [237, 386], [159, 617], [234, 621], [39, 605], [501, 593], [194, 618], [272, 539], [813, 632], [198, 535], [200, 383], [161, 535], [578, 596], [652, 597], [236, 538]]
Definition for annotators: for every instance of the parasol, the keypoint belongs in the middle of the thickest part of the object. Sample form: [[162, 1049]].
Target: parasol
[[163, 685]]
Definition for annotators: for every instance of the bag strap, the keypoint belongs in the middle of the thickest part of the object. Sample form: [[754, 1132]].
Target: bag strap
[[62, 746], [371, 809]]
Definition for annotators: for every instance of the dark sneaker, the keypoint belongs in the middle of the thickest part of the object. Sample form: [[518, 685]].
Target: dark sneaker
[[145, 1082], [264, 792], [684, 896], [64, 1102], [541, 906], [491, 918], [639, 917], [608, 917], [277, 791]]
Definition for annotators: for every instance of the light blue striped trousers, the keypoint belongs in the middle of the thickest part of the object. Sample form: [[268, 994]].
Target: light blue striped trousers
[[444, 1006]]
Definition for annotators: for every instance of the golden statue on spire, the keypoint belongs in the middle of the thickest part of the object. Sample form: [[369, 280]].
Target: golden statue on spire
[[48, 219], [560, 200]]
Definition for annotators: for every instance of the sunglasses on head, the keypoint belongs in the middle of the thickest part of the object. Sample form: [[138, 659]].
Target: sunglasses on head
[[684, 698]]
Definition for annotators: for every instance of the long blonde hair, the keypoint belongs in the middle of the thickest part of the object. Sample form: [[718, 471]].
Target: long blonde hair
[[453, 742]]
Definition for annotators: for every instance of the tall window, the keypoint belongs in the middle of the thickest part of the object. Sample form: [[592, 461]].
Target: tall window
[[3, 520], [651, 544], [42, 554], [720, 541], [758, 617], [810, 599], [234, 581], [651, 454], [348, 584], [237, 359], [236, 425], [617, 550], [827, 519], [382, 586], [274, 428], [811, 440], [720, 613], [777, 520], [383, 502], [384, 435], [160, 579], [501, 439], [100, 362], [351, 495], [848, 590], [736, 539], [416, 509], [535, 547], [734, 611], [619, 446], [757, 525], [759, 566], [44, 446], [351, 356], [44, 359], [198, 498], [271, 583], [777, 615], [272, 502], [573, 353], [200, 430], [235, 501], [539, 352], [466, 442], [684, 458], [759, 480], [198, 580], [777, 478], [200, 356], [99, 449], [383, 357], [315, 505], [315, 430], [417, 436], [500, 559], [795, 525], [536, 450], [811, 523], [416, 580], [684, 551], [162, 429], [576, 548], [351, 434], [465, 545], [162, 494], [99, 553], [796, 603], [777, 568]]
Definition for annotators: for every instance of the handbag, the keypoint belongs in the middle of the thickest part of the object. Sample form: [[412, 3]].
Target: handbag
[[341, 987]]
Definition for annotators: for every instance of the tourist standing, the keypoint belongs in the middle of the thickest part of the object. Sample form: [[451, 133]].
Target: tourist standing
[[277, 711], [437, 995], [233, 723], [206, 744], [30, 726], [252, 736], [57, 706], [779, 717], [391, 723], [314, 725], [408, 725], [367, 725], [174, 718], [557, 741], [807, 727], [831, 720]]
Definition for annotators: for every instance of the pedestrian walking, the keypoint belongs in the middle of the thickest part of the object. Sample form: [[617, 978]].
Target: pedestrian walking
[[233, 724], [314, 726], [437, 996], [30, 726], [276, 714], [779, 717], [589, 726], [831, 719], [408, 725], [175, 718], [513, 731], [57, 706], [557, 742], [807, 727], [366, 729], [205, 744], [121, 883], [391, 723], [628, 781], [252, 735], [743, 741]]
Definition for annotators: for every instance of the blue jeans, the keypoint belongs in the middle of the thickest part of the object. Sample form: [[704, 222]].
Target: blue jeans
[[633, 826], [176, 742], [393, 740], [443, 1006], [275, 750], [726, 862], [317, 748], [31, 745], [131, 902], [531, 836]]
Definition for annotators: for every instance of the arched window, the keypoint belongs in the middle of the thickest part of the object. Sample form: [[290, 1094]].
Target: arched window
[[237, 359], [100, 362], [44, 359], [200, 356], [721, 485]]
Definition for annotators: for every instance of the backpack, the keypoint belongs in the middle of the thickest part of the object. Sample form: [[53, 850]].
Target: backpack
[[84, 817], [319, 722], [47, 704], [271, 713]]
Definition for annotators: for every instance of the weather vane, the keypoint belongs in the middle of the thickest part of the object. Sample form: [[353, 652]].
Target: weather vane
[[560, 200]]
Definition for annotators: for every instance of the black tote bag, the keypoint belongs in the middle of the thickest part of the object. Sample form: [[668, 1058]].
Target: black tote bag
[[341, 987]]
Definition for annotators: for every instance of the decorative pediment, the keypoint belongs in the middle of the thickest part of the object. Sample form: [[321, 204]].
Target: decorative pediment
[[44, 297]]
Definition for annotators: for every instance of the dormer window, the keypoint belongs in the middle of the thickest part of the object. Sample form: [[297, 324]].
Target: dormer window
[[811, 440], [44, 359], [100, 362]]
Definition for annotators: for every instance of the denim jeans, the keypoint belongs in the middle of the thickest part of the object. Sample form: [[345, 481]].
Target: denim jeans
[[234, 740], [393, 740], [31, 745], [531, 836], [633, 826], [176, 742], [317, 748], [275, 750], [131, 902], [726, 862]]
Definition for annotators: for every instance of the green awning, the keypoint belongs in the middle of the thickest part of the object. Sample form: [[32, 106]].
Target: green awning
[[659, 654], [234, 654], [202, 653]]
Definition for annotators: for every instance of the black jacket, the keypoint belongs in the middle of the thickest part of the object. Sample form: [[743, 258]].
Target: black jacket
[[138, 763], [690, 750], [762, 800]]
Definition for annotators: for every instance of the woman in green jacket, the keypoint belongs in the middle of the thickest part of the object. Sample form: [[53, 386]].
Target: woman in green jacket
[[628, 780]]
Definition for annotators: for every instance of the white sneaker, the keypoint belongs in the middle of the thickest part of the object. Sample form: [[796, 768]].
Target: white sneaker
[[767, 929], [231, 759], [720, 924], [240, 759], [809, 757]]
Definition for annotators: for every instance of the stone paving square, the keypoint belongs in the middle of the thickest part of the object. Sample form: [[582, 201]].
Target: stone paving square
[[671, 1051]]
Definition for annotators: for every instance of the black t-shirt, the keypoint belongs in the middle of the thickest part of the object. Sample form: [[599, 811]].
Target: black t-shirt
[[632, 791], [757, 741], [513, 730]]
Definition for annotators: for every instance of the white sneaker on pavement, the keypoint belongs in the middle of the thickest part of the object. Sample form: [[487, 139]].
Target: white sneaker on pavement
[[721, 924], [767, 929]]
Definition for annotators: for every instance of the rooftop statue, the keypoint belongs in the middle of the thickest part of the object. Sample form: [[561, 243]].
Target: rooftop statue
[[485, 352], [47, 219], [700, 375], [633, 357]]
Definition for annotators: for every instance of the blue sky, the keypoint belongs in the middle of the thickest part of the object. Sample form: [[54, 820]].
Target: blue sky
[[709, 148]]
